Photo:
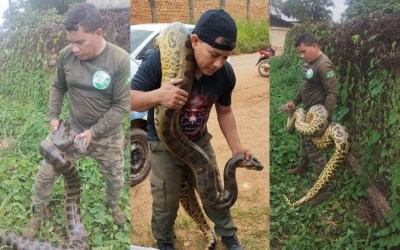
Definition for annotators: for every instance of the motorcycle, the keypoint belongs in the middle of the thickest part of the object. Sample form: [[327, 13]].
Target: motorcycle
[[263, 61]]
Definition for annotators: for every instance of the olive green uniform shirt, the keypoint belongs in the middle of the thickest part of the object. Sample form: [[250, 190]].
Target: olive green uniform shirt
[[98, 90], [319, 84]]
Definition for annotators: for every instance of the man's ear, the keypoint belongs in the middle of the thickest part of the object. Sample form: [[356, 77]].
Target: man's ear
[[99, 32], [195, 40]]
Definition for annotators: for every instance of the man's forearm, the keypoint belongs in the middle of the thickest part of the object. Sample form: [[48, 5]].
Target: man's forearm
[[143, 101], [227, 124]]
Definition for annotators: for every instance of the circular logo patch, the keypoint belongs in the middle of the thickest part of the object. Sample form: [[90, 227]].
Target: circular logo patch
[[101, 80], [309, 73]]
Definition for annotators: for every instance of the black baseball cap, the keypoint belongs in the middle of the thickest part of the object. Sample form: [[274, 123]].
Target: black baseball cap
[[216, 23]]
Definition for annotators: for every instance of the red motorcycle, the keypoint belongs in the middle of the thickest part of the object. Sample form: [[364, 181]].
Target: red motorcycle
[[263, 61]]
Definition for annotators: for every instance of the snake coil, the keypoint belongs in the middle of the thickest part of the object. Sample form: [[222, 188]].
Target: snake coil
[[76, 235], [314, 123]]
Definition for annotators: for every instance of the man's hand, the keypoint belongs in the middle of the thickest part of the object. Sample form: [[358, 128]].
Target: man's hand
[[87, 135], [171, 96], [242, 150], [290, 106], [54, 125]]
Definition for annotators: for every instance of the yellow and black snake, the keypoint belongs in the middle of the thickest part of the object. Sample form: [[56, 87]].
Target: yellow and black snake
[[314, 123], [177, 62], [76, 235]]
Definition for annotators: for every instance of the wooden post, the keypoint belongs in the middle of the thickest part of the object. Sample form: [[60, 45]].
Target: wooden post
[[153, 8], [222, 4], [248, 10], [191, 14]]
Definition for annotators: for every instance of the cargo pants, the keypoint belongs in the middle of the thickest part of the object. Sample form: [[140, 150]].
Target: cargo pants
[[107, 151], [166, 182], [309, 153]]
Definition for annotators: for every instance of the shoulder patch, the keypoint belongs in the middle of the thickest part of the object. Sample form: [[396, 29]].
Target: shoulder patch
[[330, 74]]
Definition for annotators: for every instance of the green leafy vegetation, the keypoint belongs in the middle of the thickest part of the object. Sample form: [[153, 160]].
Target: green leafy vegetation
[[252, 36], [366, 57], [24, 89]]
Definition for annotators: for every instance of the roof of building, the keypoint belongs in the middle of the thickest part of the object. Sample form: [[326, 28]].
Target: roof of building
[[276, 21]]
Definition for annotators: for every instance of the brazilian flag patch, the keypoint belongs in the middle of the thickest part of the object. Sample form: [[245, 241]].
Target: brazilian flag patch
[[330, 74]]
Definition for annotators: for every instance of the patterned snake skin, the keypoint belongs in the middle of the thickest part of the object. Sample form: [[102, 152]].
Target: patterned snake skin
[[76, 235], [315, 124], [177, 62]]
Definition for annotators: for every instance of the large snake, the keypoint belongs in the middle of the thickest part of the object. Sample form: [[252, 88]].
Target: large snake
[[177, 62], [76, 235], [314, 123]]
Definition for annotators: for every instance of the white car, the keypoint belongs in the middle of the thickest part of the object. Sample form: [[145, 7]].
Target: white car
[[142, 38]]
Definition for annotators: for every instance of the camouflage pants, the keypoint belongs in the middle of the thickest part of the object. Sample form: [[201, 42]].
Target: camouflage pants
[[311, 154], [107, 151], [166, 182]]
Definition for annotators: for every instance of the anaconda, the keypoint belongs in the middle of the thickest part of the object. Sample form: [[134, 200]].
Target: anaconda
[[76, 235], [177, 62], [314, 123]]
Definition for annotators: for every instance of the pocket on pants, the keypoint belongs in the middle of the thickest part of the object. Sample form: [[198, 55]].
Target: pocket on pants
[[157, 186]]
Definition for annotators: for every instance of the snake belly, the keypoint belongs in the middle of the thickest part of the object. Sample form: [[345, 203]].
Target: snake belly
[[76, 235], [324, 135]]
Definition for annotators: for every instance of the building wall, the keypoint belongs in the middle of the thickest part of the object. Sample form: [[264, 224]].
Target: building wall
[[277, 38], [178, 10]]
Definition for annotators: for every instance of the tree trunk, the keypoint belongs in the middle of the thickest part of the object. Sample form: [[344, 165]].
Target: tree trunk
[[380, 205]]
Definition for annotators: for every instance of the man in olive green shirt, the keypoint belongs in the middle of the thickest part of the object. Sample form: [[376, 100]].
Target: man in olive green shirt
[[319, 87], [95, 74]]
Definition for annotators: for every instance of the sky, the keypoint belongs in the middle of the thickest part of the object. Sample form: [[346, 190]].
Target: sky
[[340, 7], [3, 7]]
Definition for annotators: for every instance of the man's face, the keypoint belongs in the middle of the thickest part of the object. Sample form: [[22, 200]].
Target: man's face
[[208, 59], [85, 45], [308, 53]]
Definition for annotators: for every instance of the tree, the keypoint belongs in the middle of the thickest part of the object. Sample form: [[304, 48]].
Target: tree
[[366, 7], [308, 10], [30, 13], [275, 7]]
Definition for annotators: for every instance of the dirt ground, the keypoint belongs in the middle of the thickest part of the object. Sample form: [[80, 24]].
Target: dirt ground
[[251, 210]]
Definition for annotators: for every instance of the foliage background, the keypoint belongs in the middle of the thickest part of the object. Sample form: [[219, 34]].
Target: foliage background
[[366, 53], [26, 64]]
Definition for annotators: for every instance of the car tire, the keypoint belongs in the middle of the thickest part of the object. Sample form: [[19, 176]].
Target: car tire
[[140, 165]]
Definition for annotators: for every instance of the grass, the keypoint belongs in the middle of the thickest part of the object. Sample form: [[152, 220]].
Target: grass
[[252, 36]]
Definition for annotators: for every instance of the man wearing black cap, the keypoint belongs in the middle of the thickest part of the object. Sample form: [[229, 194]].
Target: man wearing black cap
[[213, 41]]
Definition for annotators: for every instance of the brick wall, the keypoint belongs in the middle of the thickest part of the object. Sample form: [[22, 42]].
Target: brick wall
[[178, 10]]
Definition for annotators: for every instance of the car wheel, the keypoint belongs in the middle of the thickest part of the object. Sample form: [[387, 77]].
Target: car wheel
[[140, 165]]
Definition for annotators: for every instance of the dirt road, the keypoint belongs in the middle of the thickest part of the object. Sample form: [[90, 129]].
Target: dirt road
[[251, 211]]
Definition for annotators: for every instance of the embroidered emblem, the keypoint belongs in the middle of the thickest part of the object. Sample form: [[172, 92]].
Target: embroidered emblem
[[309, 73], [101, 80], [330, 74]]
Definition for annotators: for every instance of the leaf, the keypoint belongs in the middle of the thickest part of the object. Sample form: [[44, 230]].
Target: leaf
[[377, 90], [394, 43], [371, 50], [374, 138], [371, 38], [355, 38]]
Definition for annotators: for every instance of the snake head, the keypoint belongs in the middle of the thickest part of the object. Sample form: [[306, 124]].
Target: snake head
[[252, 164], [81, 144]]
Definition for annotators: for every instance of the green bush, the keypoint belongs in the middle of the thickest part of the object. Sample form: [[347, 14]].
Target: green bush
[[252, 36]]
